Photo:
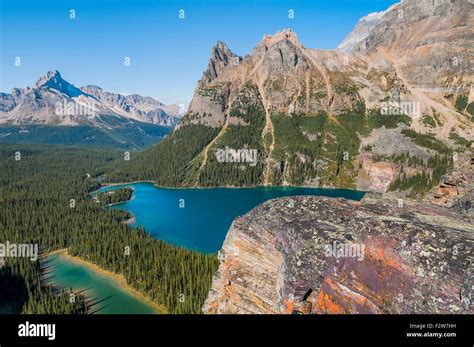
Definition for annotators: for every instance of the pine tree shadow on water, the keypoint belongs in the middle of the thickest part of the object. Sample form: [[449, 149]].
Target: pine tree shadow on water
[[84, 302], [13, 293]]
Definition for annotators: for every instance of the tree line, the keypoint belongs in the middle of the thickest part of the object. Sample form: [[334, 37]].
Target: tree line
[[45, 198]]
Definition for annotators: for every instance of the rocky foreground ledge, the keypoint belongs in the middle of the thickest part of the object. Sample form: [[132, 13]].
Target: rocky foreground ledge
[[323, 255]]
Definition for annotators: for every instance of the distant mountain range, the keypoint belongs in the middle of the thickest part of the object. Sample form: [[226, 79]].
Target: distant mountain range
[[396, 94], [55, 111], [54, 101]]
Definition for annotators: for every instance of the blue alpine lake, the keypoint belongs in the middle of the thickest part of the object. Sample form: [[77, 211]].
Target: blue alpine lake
[[116, 299], [199, 219]]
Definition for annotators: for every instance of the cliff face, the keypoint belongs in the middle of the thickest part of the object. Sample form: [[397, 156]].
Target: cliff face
[[428, 42], [324, 255], [361, 31], [287, 78], [456, 187]]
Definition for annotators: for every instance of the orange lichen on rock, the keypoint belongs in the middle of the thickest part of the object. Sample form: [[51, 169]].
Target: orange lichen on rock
[[336, 298], [325, 304], [276, 259], [288, 306], [382, 249]]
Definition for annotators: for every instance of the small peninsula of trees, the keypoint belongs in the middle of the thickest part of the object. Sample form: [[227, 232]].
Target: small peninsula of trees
[[114, 196], [45, 199]]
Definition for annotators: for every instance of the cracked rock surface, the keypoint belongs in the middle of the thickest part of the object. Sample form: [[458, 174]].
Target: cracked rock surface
[[387, 258]]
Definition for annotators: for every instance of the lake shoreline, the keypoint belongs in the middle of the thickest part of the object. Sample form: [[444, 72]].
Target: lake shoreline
[[199, 219], [132, 219], [119, 279], [105, 185]]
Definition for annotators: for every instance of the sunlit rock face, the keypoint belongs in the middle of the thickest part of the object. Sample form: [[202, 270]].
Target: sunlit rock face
[[325, 255], [429, 43], [361, 31]]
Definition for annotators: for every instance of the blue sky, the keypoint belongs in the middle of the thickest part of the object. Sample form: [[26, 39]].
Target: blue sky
[[167, 54]]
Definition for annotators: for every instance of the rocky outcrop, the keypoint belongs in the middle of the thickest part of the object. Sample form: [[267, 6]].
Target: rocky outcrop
[[376, 176], [324, 255], [455, 185]]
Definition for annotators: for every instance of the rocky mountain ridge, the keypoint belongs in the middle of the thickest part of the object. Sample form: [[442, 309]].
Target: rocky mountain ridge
[[395, 107], [428, 43], [362, 29], [54, 101]]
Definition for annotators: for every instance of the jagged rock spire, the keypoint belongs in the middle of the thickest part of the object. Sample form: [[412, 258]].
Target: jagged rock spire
[[221, 58]]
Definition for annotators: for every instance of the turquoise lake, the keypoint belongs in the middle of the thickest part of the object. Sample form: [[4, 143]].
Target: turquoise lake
[[68, 274], [201, 224], [199, 219]]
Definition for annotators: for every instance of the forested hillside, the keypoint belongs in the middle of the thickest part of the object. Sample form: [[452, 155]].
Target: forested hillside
[[308, 149], [45, 198], [114, 133]]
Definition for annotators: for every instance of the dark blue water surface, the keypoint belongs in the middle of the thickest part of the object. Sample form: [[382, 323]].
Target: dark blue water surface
[[202, 223]]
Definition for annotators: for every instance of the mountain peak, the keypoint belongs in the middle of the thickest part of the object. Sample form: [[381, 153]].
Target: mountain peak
[[221, 58], [54, 80], [52, 75], [220, 45], [93, 87], [285, 34], [362, 29], [220, 52]]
